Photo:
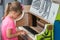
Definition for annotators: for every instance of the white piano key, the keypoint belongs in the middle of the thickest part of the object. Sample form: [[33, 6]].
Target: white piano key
[[28, 33]]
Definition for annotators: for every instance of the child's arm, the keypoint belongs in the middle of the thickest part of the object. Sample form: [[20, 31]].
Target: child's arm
[[10, 35]]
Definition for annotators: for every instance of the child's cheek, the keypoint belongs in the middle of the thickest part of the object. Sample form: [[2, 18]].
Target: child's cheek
[[15, 16]]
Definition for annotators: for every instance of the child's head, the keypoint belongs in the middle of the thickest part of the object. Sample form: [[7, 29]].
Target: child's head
[[13, 8]]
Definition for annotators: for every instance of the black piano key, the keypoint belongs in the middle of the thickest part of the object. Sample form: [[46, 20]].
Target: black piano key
[[30, 30]]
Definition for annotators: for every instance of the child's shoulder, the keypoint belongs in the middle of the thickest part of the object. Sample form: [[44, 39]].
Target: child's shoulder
[[7, 19]]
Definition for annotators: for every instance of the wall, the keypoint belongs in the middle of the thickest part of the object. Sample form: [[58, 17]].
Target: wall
[[26, 2], [1, 12]]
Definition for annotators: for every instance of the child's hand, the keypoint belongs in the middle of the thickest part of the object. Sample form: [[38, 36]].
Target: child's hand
[[22, 32]]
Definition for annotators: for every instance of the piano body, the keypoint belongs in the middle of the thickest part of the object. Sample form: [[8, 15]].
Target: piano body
[[31, 23]]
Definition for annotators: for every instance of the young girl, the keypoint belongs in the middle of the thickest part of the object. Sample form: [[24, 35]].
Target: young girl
[[8, 29]]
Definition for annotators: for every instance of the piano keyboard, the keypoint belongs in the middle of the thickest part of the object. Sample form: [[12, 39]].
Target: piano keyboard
[[32, 36]]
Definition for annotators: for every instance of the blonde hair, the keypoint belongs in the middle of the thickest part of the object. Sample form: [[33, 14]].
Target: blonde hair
[[13, 6]]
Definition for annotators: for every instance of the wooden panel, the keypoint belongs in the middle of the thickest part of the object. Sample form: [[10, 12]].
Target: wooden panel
[[26, 21], [29, 19], [27, 8], [22, 38], [21, 22], [40, 24], [19, 38]]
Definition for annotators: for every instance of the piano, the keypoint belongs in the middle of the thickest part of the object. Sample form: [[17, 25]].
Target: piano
[[32, 27], [32, 23]]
